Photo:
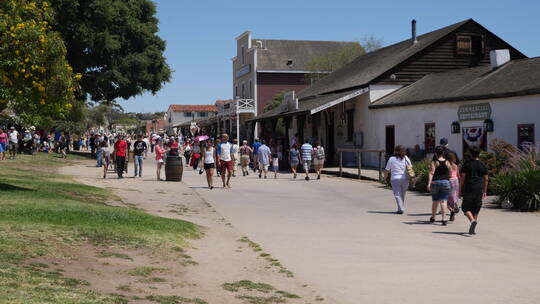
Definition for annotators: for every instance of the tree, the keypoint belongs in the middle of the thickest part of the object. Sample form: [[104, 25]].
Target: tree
[[113, 44], [370, 43], [274, 103], [36, 80]]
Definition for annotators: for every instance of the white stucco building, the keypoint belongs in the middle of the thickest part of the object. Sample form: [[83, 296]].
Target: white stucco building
[[177, 115]]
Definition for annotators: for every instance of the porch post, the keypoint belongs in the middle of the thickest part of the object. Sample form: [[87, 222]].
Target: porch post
[[238, 128]]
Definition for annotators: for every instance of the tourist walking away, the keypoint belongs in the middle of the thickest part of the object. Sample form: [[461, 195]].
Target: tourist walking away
[[236, 153], [106, 157], [92, 144], [294, 159], [98, 150], [473, 185], [158, 148], [453, 197], [275, 164], [139, 151], [226, 160], [397, 167], [256, 146], [209, 162], [120, 153], [439, 184], [306, 150], [245, 157], [264, 155], [3, 144], [13, 136], [63, 144], [318, 159]]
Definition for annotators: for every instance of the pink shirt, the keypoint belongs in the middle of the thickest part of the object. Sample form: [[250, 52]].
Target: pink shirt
[[159, 153], [454, 172], [3, 138]]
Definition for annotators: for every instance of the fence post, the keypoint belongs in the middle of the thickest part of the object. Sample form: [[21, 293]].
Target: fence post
[[340, 163], [380, 165], [359, 155]]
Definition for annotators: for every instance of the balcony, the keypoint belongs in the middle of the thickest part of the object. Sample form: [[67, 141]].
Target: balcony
[[237, 106]]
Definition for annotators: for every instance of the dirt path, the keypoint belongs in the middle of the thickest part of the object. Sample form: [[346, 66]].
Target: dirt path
[[221, 256]]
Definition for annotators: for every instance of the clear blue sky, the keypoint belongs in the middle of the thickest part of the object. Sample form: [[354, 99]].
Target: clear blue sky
[[200, 33]]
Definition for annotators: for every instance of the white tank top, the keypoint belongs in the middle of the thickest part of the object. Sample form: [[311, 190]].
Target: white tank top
[[209, 156]]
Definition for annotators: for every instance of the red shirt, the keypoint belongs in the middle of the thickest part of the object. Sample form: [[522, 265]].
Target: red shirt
[[120, 147]]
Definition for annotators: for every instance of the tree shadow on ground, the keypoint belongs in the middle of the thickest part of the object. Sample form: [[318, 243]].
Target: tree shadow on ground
[[382, 212], [9, 187], [465, 234]]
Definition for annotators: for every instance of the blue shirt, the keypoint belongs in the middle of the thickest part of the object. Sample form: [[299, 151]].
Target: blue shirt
[[307, 151], [256, 147], [264, 155]]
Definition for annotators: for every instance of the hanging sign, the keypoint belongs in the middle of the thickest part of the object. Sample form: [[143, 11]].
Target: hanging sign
[[478, 111]]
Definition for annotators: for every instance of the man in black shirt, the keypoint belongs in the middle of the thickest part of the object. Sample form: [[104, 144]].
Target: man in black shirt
[[473, 187], [139, 149]]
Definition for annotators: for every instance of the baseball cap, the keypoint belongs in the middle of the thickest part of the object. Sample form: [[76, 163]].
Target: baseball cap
[[444, 141]]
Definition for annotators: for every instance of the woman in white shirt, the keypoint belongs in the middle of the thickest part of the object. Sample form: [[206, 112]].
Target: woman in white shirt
[[397, 168], [209, 161]]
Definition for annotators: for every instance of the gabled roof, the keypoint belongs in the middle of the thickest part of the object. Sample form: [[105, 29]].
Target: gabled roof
[[368, 67], [274, 54], [193, 108], [515, 78]]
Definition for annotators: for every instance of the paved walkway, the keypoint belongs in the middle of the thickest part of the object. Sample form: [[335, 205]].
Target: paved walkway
[[341, 236]]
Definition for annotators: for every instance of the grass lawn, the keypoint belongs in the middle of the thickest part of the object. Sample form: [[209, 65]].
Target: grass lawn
[[42, 212]]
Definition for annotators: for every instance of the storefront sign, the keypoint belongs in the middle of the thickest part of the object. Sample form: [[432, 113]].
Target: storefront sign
[[243, 70], [479, 111]]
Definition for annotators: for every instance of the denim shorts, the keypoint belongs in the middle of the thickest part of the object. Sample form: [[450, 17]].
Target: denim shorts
[[440, 189]]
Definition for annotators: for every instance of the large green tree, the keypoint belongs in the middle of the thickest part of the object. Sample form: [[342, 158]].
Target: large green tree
[[114, 45], [36, 81]]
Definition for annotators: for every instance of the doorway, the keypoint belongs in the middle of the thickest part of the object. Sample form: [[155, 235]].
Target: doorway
[[330, 144], [390, 140]]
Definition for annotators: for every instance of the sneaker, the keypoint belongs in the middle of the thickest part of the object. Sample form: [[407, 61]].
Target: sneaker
[[260, 175], [452, 216], [399, 212], [307, 178], [431, 219], [444, 223], [318, 177], [244, 173], [247, 173], [472, 228]]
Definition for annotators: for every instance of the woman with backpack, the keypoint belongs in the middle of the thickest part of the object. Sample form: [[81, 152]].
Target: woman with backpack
[[399, 167], [318, 159]]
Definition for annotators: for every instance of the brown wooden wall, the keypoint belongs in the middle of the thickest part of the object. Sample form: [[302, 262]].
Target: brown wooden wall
[[270, 84], [441, 57]]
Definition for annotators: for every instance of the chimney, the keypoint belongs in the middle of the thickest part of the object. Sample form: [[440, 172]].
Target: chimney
[[413, 28], [499, 57]]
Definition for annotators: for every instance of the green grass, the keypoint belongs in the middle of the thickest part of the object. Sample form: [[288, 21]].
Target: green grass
[[247, 285], [42, 212], [145, 271], [174, 300]]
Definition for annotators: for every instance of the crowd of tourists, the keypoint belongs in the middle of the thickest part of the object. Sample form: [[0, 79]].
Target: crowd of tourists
[[448, 182], [15, 141]]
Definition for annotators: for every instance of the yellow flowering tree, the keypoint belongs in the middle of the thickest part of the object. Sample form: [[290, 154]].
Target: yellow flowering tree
[[36, 81]]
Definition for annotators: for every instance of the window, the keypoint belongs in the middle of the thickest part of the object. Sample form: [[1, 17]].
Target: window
[[469, 45], [236, 92], [243, 91], [429, 137], [525, 136], [243, 55], [188, 114], [350, 125], [203, 114], [250, 89]]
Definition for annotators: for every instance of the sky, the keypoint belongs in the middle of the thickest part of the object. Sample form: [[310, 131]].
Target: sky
[[200, 34]]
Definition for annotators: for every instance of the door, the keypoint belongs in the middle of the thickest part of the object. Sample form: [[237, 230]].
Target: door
[[390, 141], [330, 143]]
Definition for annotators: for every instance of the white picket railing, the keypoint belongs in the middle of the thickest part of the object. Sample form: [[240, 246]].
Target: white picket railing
[[237, 106]]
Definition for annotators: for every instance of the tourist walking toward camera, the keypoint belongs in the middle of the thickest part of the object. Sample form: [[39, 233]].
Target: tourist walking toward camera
[[264, 155], [120, 153], [318, 159], [63, 144], [236, 154], [13, 136], [306, 150], [245, 157], [209, 157], [439, 184], [226, 160], [294, 159], [3, 144], [473, 185], [139, 151], [160, 152], [453, 197], [397, 167]]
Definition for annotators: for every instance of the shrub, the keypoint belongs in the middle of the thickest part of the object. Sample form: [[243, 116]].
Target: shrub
[[519, 180], [421, 168]]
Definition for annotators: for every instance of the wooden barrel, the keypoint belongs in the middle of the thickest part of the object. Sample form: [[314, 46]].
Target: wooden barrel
[[173, 168]]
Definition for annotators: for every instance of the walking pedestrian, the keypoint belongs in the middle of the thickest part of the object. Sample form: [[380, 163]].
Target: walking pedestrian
[[106, 157], [195, 155], [318, 158], [3, 144], [255, 148], [98, 150], [236, 153], [263, 155], [63, 144], [473, 184], [13, 136], [158, 148], [399, 179], [120, 153], [139, 151], [209, 160], [245, 157], [439, 184], [218, 170], [226, 159], [306, 150], [294, 159], [453, 197], [275, 164]]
